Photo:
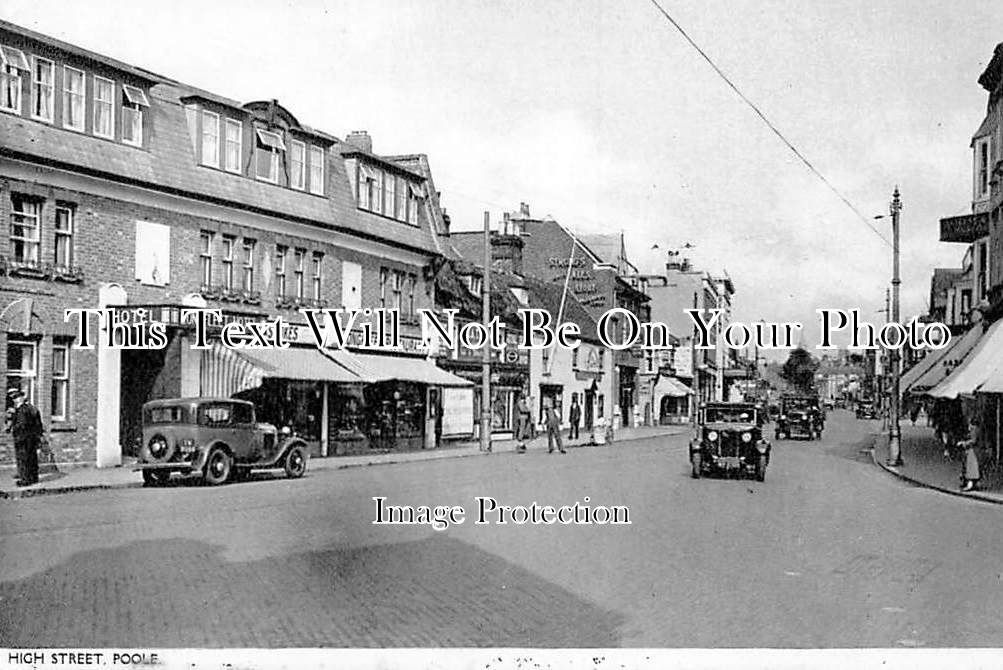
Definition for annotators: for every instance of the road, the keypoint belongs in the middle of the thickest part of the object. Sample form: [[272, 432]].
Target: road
[[829, 551]]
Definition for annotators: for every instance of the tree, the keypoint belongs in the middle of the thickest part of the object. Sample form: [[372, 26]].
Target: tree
[[799, 370]]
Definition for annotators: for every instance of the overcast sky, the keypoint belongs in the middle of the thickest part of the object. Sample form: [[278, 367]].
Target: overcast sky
[[601, 115]]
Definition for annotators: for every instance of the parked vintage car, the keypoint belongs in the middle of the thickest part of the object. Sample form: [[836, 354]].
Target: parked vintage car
[[866, 409], [729, 439], [800, 416], [215, 437]]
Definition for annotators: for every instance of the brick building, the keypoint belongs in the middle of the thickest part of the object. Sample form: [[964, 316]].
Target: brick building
[[122, 187]]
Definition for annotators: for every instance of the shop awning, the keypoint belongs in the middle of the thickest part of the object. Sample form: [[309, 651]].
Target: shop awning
[[977, 368], [951, 357], [226, 371], [932, 358], [669, 386], [380, 368]]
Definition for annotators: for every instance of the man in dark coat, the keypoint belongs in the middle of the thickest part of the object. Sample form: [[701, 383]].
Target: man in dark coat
[[554, 430], [574, 417], [26, 426]]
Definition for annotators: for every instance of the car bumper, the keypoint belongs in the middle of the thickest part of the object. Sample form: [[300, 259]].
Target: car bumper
[[195, 464]]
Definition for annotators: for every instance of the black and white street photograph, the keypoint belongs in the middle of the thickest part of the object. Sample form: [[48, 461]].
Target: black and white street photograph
[[509, 334]]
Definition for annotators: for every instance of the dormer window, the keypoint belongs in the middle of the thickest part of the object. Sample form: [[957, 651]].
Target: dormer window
[[210, 139], [316, 170], [12, 64], [73, 98], [234, 145], [297, 165], [42, 88], [269, 147], [104, 107], [133, 102]]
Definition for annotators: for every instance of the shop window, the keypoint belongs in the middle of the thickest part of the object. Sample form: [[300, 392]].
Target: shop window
[[22, 366], [64, 235], [133, 102], [228, 243], [73, 98], [234, 145], [104, 107], [317, 170], [60, 381], [205, 257], [210, 139], [297, 165], [12, 64], [42, 89], [25, 227]]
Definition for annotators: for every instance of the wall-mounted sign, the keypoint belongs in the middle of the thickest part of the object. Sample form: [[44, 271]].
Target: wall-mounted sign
[[153, 253]]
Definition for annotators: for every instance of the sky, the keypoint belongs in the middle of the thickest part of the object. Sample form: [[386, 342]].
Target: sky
[[599, 114]]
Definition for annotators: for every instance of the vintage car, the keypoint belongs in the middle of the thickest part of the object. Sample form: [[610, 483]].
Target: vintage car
[[217, 438], [729, 439], [866, 409], [800, 416]]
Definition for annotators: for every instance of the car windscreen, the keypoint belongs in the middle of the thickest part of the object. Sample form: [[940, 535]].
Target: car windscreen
[[168, 414], [730, 415]]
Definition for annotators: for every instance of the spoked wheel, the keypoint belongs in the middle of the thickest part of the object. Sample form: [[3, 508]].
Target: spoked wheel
[[217, 466], [156, 477], [295, 464]]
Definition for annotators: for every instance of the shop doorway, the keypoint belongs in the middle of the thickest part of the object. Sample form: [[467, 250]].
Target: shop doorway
[[589, 413]]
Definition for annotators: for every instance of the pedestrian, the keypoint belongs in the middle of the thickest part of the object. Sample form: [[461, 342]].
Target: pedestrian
[[914, 412], [523, 427], [970, 463], [26, 426], [574, 417], [554, 430]]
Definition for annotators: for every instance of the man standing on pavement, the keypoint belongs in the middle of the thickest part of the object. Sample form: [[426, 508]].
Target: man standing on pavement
[[554, 430], [574, 417], [26, 425], [523, 427]]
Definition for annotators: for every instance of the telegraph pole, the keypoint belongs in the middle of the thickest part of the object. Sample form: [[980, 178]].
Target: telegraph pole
[[486, 350], [895, 430]]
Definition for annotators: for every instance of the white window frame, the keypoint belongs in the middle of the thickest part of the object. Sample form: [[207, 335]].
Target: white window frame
[[384, 280], [129, 108], [66, 234], [401, 203], [390, 194], [36, 87], [377, 193], [247, 280], [297, 165], [210, 140], [34, 242], [31, 374], [10, 80], [61, 380], [228, 244], [298, 271], [273, 149], [205, 256], [317, 158], [239, 144], [281, 252], [317, 262], [100, 103], [69, 96]]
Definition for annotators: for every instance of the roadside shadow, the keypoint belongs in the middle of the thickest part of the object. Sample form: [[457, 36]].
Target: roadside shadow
[[182, 593]]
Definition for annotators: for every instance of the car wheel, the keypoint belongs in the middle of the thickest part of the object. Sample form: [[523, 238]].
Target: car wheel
[[696, 460], [761, 468], [156, 477], [295, 464], [217, 466]]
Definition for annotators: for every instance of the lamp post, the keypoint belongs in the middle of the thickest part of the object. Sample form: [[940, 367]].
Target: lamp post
[[895, 430]]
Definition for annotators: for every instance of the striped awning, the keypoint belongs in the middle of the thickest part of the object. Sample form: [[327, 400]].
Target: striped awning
[[978, 368], [381, 368], [228, 371], [670, 386]]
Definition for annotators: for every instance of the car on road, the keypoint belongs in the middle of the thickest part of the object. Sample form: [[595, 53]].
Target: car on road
[[729, 439], [866, 409], [800, 416], [217, 438]]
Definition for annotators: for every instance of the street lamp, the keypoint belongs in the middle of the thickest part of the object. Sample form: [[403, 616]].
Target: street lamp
[[895, 429]]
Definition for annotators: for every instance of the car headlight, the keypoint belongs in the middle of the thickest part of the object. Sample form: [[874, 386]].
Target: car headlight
[[712, 435], [746, 437], [783, 416]]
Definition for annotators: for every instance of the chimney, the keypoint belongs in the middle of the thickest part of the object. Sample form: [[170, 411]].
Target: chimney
[[524, 210], [506, 253], [360, 139]]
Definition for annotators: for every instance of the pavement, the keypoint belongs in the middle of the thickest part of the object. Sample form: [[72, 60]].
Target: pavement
[[69, 478], [828, 552], [924, 464]]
